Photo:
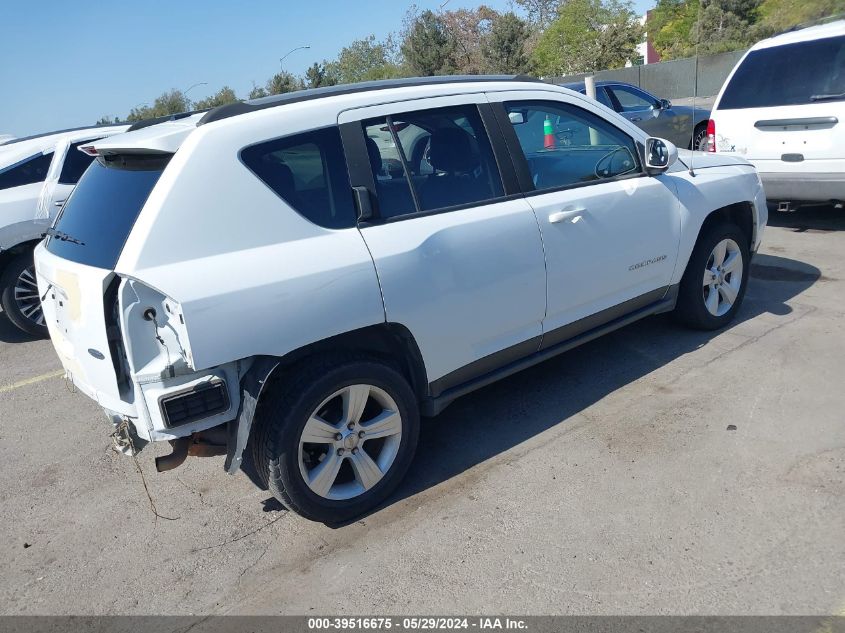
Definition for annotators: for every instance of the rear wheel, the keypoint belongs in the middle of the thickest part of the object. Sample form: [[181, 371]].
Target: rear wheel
[[337, 439], [19, 296], [714, 283], [699, 138]]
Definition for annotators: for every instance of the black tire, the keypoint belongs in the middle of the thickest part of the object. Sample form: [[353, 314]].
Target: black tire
[[699, 135], [21, 268], [281, 418], [691, 309]]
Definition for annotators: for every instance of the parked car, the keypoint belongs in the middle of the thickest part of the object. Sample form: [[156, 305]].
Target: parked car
[[685, 126], [36, 175], [252, 276], [783, 108]]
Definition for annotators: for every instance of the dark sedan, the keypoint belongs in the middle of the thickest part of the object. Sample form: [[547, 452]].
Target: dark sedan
[[683, 125]]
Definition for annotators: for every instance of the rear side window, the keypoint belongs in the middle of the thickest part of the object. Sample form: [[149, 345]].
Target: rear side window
[[76, 163], [792, 74], [26, 172], [103, 207], [308, 171]]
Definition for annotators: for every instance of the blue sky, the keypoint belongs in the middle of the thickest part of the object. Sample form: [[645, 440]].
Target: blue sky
[[66, 63]]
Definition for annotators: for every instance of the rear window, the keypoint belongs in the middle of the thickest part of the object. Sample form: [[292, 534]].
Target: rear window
[[103, 208], [76, 163], [792, 74]]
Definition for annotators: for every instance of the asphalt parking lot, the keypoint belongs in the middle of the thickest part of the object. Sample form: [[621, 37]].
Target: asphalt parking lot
[[605, 481]]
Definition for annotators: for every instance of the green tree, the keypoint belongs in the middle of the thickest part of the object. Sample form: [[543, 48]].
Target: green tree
[[586, 36], [257, 91], [363, 60], [505, 47], [172, 102], [283, 82], [107, 120], [428, 46], [316, 76], [774, 16], [224, 95]]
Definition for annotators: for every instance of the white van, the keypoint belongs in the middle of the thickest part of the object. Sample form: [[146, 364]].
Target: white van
[[783, 109]]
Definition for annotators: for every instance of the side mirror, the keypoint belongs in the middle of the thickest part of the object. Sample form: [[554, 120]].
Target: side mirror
[[660, 155], [665, 104]]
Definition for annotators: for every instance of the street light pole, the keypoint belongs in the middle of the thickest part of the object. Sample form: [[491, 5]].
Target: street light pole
[[293, 50]]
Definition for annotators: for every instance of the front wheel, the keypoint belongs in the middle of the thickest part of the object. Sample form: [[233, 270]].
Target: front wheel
[[19, 296], [337, 440], [714, 283]]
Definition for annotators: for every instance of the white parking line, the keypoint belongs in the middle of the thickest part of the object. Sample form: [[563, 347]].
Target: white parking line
[[30, 381]]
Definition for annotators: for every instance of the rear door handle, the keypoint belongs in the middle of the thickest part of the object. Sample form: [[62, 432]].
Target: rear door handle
[[569, 214], [636, 118], [59, 203]]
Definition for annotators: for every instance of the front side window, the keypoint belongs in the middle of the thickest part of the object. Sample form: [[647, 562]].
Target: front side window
[[431, 159], [26, 172], [564, 145], [790, 74], [308, 171], [76, 163], [633, 100]]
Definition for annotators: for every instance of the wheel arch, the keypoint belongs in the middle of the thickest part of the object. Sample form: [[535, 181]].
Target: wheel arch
[[391, 342], [7, 255], [739, 213]]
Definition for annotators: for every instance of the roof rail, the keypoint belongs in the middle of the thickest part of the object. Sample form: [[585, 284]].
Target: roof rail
[[161, 119], [243, 107], [12, 141]]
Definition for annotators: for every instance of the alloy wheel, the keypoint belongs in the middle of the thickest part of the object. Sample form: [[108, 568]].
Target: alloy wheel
[[722, 279], [350, 442], [26, 296]]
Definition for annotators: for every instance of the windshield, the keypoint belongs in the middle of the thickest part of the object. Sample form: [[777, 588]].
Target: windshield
[[792, 74], [98, 216]]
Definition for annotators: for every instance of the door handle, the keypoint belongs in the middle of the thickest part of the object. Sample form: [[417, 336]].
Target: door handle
[[559, 216], [59, 203], [636, 118]]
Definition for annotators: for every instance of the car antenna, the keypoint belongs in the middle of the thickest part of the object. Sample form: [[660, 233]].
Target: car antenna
[[694, 93]]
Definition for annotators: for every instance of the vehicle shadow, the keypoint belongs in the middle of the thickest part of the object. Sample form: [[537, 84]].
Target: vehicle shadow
[[9, 333], [821, 219], [481, 425]]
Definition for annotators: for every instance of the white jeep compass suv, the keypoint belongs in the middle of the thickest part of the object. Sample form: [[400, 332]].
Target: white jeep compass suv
[[783, 108], [255, 276], [37, 173]]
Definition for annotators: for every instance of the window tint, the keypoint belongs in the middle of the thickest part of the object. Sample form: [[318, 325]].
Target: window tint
[[309, 172], [26, 172], [791, 74], [76, 163], [565, 145], [632, 100], [103, 208], [431, 159]]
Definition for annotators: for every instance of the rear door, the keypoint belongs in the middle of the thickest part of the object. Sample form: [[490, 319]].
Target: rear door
[[783, 107], [610, 232], [457, 249]]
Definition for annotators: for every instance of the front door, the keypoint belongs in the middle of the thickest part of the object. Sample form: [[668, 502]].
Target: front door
[[611, 233]]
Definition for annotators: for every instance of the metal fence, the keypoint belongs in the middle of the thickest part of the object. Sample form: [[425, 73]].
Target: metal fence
[[673, 79]]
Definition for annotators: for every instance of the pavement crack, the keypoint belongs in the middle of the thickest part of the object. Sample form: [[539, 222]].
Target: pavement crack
[[238, 538]]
